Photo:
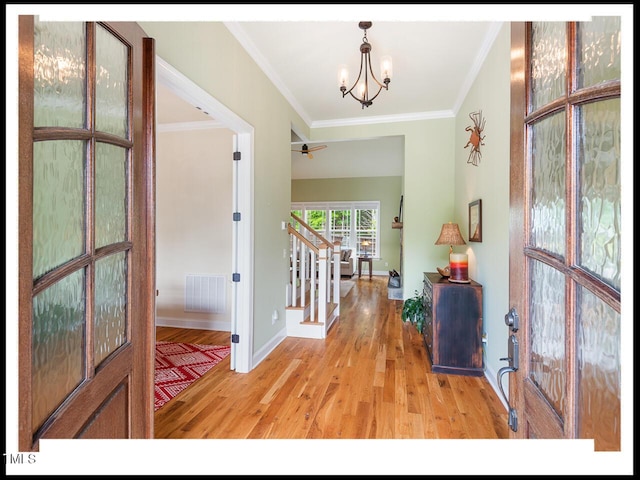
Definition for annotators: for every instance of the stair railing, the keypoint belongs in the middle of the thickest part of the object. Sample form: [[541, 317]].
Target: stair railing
[[311, 250]]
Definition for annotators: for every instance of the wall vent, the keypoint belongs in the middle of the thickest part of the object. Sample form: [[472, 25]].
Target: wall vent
[[205, 294]]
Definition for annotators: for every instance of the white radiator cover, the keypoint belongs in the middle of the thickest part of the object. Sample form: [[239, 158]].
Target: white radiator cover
[[205, 294]]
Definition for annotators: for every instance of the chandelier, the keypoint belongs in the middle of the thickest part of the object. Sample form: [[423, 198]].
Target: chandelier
[[366, 74]]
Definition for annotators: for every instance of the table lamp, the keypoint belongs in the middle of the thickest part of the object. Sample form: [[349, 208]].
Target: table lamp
[[365, 244], [458, 268]]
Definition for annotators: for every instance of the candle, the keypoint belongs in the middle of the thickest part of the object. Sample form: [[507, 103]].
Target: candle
[[459, 266]]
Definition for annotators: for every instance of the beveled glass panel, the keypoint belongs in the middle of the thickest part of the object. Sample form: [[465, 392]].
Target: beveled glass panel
[[59, 74], [58, 203], [598, 371], [547, 331], [598, 51], [111, 194], [600, 198], [111, 84], [110, 305], [58, 345], [548, 207], [548, 62]]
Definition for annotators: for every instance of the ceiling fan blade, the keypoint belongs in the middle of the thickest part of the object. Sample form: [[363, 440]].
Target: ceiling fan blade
[[310, 155], [317, 147]]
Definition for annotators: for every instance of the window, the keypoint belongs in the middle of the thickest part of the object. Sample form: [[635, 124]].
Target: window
[[353, 223]]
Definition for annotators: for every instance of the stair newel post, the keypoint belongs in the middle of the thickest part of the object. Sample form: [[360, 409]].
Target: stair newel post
[[322, 283]]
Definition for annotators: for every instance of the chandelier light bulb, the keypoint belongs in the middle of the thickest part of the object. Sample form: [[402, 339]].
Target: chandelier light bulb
[[362, 91], [386, 67], [343, 76]]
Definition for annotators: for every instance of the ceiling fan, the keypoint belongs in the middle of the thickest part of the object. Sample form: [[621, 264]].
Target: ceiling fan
[[307, 150]]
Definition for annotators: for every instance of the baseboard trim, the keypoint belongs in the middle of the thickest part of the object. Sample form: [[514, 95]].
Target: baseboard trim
[[194, 324], [276, 340]]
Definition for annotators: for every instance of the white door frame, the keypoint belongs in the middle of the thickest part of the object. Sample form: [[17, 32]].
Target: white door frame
[[242, 256]]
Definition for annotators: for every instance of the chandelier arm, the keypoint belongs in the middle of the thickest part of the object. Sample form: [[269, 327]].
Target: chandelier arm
[[385, 85]]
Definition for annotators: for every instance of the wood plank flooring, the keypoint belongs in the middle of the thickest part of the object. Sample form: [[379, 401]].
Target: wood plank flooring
[[369, 379]]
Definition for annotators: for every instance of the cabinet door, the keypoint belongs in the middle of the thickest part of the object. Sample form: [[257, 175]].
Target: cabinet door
[[458, 313]]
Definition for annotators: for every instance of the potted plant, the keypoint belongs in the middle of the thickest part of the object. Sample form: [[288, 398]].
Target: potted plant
[[413, 311]]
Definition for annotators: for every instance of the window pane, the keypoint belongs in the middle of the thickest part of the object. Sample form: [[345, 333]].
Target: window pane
[[599, 371], [548, 185], [600, 198], [111, 194], [58, 203], [547, 330], [341, 227], [317, 219], [111, 84], [110, 305], [599, 51], [58, 344], [548, 62], [59, 74], [366, 225]]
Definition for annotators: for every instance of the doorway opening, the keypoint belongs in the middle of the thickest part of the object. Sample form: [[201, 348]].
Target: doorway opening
[[242, 200]]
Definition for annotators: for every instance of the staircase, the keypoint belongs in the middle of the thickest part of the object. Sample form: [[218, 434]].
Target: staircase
[[313, 297]]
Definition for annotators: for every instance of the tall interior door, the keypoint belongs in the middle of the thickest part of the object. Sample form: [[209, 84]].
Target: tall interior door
[[565, 247], [86, 233]]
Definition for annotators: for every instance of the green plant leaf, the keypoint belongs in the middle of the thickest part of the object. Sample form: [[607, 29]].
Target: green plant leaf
[[413, 311]]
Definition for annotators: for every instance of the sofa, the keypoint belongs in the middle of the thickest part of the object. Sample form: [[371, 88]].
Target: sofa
[[346, 263]]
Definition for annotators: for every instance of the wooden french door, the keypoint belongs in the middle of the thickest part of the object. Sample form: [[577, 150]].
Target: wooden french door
[[565, 246], [86, 231]]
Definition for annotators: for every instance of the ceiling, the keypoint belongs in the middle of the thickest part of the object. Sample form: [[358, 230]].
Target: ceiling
[[434, 64]]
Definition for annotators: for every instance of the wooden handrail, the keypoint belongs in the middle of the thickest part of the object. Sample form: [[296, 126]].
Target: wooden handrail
[[313, 231], [304, 239]]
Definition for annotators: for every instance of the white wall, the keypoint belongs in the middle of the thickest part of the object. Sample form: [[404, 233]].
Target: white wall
[[193, 221]]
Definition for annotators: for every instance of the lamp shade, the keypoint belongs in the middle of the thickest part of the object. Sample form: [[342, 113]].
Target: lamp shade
[[450, 235], [365, 244]]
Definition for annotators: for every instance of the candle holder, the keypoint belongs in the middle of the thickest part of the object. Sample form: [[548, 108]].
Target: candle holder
[[459, 268]]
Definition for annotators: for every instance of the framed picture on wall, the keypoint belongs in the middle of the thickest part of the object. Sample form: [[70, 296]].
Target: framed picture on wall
[[475, 221]]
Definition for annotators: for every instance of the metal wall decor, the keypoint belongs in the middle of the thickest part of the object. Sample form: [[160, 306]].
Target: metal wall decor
[[476, 140]]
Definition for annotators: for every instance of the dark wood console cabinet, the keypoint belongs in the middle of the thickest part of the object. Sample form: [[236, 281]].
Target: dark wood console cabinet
[[453, 325]]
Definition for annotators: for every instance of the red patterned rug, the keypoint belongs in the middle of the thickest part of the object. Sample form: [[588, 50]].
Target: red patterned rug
[[178, 365]]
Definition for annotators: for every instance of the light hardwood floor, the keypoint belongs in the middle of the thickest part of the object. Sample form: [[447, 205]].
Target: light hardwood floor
[[369, 379]]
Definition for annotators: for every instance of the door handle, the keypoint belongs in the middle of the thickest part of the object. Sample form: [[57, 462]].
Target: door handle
[[514, 350]]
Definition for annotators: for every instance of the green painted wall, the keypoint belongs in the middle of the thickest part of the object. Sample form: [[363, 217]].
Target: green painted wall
[[488, 181], [386, 190]]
